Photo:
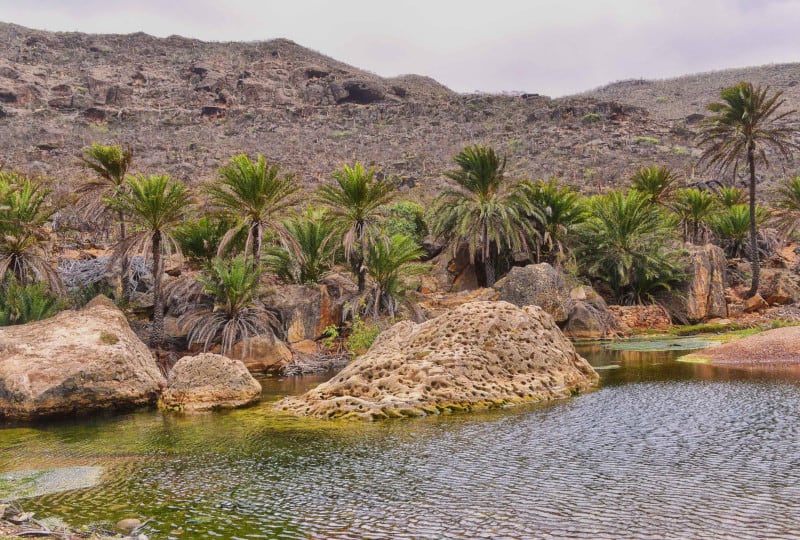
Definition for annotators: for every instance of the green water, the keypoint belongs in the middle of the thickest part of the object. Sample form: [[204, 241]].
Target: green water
[[663, 449]]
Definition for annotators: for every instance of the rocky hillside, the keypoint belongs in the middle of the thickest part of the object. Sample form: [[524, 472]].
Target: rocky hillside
[[185, 106]]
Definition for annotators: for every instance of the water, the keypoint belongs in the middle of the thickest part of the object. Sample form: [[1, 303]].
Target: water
[[663, 449]]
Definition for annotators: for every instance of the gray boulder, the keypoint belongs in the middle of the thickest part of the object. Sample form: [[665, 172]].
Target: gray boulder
[[537, 285]]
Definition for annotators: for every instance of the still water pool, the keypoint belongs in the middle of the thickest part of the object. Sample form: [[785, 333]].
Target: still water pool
[[663, 449]]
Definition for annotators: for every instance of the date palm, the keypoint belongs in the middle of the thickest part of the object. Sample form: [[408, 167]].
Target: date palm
[[563, 210], [484, 210], [110, 164], [656, 183], [155, 206], [789, 203], [694, 208], [391, 265], [354, 206], [745, 124], [256, 197], [24, 212], [313, 252], [234, 315]]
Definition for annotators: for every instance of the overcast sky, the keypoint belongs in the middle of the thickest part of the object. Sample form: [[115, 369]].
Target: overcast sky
[[547, 46]]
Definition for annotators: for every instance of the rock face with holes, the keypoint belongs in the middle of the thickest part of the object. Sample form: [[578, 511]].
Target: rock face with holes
[[481, 354], [209, 381], [75, 362]]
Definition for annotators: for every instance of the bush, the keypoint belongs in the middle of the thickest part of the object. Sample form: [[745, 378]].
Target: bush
[[591, 118], [406, 218], [22, 304], [362, 336], [199, 239], [732, 228], [642, 140]]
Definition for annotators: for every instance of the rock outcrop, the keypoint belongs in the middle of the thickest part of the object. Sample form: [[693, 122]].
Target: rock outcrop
[[538, 285], [705, 293], [75, 362], [209, 381], [643, 317], [590, 317], [480, 354]]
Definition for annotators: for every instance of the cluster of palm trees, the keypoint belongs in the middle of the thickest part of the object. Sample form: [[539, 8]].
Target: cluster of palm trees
[[253, 223]]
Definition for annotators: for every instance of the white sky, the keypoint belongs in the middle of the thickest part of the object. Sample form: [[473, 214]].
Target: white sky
[[547, 46]]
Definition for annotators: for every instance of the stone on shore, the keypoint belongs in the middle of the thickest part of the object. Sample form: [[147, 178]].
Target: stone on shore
[[75, 362], [209, 381], [481, 354], [539, 285]]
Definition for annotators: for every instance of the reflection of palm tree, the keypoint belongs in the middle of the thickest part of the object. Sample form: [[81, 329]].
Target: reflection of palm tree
[[155, 205], [484, 210], [744, 127]]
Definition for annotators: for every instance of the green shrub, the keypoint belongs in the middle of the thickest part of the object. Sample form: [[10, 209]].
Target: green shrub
[[406, 218], [199, 239], [732, 228], [591, 118], [645, 141], [362, 335], [22, 304]]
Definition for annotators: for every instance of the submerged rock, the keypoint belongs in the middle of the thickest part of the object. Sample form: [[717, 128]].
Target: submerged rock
[[75, 362], [477, 355], [209, 381]]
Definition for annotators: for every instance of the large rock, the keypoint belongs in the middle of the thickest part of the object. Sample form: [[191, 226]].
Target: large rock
[[539, 285], [479, 354], [75, 362], [705, 291], [779, 286], [305, 311], [590, 317], [209, 381], [264, 354]]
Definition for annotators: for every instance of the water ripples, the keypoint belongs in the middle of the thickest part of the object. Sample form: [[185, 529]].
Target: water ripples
[[655, 459]]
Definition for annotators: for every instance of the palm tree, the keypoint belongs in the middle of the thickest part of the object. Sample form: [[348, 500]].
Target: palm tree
[[390, 265], [254, 196], [24, 212], [624, 245], [484, 211], [744, 126], [563, 210], [313, 251], [234, 315], [355, 206], [656, 183], [789, 203], [728, 196], [731, 226], [694, 208], [111, 164], [155, 206]]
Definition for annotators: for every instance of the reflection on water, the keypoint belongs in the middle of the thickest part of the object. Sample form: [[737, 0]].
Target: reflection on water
[[663, 450]]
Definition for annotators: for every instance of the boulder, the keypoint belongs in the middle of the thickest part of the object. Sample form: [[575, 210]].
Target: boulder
[[75, 362], [589, 317], [779, 286], [704, 291], [647, 317], [480, 354], [539, 285], [754, 303], [264, 353], [305, 311], [209, 381]]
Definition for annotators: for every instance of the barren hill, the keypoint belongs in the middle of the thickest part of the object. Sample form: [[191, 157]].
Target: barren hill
[[185, 106]]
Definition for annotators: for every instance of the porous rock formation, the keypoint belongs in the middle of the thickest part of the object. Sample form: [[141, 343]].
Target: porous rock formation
[[480, 354], [75, 362], [209, 381]]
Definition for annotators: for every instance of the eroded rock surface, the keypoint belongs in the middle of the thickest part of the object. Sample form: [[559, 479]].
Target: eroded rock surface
[[540, 285], [75, 362], [477, 355], [209, 381]]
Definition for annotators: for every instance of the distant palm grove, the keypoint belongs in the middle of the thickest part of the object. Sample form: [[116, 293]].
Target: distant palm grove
[[253, 227]]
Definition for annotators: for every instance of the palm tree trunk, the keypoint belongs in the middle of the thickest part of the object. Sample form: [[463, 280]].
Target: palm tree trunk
[[488, 260], [754, 263], [125, 262], [157, 332], [258, 234]]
